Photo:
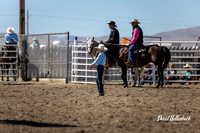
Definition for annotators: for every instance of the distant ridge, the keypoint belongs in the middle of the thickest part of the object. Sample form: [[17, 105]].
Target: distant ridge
[[189, 34]]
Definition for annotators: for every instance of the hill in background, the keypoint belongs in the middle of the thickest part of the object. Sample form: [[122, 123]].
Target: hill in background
[[189, 34]]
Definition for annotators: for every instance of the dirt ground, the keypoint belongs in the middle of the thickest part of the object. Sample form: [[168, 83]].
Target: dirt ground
[[75, 108]]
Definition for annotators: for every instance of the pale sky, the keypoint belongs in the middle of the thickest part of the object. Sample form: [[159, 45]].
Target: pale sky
[[89, 17]]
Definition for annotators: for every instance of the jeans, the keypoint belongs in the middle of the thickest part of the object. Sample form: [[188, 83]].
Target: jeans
[[100, 70], [146, 80], [131, 50], [185, 79]]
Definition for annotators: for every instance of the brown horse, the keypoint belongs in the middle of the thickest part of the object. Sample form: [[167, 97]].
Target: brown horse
[[159, 55]]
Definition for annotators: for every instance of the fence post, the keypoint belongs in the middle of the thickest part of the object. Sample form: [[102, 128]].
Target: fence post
[[67, 71], [48, 57], [154, 74], [74, 54]]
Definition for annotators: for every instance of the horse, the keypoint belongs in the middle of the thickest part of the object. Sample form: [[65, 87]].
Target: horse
[[158, 55], [8, 60]]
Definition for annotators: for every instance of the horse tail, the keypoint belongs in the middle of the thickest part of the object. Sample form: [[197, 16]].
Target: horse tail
[[167, 57]]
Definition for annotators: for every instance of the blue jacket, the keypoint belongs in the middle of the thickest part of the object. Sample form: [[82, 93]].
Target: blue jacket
[[13, 36]]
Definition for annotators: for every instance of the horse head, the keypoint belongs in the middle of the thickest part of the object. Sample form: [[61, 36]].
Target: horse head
[[91, 44]]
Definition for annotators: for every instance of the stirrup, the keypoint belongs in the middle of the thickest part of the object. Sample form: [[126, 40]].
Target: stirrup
[[129, 64]]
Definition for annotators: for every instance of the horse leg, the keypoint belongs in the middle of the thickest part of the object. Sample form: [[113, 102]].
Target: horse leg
[[137, 77], [133, 78], [2, 72], [13, 71], [141, 72], [159, 77], [124, 76], [7, 72]]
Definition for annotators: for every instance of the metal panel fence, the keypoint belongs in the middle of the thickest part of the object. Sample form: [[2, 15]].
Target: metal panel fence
[[50, 59], [9, 63], [179, 56]]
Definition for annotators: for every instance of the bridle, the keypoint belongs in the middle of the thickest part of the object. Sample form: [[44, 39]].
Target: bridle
[[91, 51]]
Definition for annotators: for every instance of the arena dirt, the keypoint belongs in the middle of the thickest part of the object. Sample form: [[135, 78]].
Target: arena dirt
[[53, 106]]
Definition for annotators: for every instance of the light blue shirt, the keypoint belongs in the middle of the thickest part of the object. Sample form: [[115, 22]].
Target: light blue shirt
[[188, 74], [13, 36], [100, 60], [36, 45]]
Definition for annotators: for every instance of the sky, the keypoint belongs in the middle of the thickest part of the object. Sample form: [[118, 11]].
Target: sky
[[90, 17]]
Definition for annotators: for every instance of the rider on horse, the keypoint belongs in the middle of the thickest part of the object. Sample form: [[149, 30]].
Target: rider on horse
[[114, 34], [113, 39], [136, 41]]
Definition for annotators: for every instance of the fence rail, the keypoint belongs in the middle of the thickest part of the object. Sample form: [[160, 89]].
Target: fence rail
[[80, 72]]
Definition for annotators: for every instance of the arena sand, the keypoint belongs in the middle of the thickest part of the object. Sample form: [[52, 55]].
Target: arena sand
[[53, 106]]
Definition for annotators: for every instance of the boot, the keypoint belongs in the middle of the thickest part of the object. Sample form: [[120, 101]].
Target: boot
[[7, 79], [128, 63]]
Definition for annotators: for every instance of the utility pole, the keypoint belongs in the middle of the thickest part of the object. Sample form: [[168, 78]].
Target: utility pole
[[27, 32], [22, 42], [21, 16]]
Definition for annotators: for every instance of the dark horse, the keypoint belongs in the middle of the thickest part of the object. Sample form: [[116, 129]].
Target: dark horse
[[8, 55], [159, 55]]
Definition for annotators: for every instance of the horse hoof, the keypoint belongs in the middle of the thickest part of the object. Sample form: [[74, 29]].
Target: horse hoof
[[139, 86], [134, 85], [157, 86], [126, 86]]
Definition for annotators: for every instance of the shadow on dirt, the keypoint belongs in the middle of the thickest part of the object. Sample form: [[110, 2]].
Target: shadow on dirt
[[33, 124], [24, 84]]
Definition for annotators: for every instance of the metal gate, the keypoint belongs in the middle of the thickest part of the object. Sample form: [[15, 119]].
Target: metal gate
[[9, 63]]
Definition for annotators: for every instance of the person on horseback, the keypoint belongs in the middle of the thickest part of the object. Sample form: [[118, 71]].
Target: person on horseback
[[136, 41], [11, 37], [113, 39], [114, 34]]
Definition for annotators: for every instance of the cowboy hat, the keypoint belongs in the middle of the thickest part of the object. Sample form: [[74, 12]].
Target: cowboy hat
[[112, 23], [187, 66], [10, 30], [35, 39], [135, 21], [101, 47]]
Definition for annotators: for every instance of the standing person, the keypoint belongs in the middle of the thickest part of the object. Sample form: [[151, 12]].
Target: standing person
[[100, 62], [114, 34], [36, 43], [136, 41], [11, 36]]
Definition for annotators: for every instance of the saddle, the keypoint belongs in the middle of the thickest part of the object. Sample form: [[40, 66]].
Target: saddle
[[140, 49]]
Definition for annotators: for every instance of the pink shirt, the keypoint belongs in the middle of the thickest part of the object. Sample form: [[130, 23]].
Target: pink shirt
[[136, 34]]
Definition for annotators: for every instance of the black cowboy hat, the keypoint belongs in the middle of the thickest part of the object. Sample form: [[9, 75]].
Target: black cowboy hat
[[112, 23]]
